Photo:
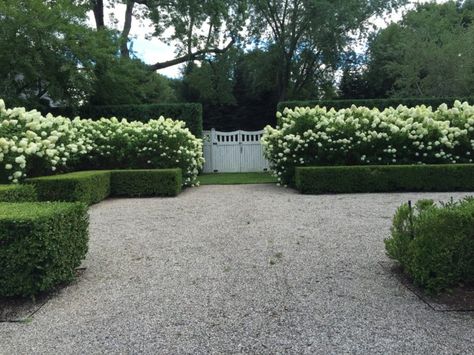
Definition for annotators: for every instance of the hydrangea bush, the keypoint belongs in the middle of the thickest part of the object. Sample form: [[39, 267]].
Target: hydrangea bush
[[33, 145], [357, 136]]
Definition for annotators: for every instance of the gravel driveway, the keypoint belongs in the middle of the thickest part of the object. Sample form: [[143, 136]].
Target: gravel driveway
[[249, 268]]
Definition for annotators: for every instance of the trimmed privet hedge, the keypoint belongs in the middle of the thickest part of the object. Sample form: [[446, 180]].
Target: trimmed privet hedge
[[190, 113], [372, 103], [84, 186], [94, 186], [17, 193], [41, 244], [137, 183], [435, 244], [384, 178]]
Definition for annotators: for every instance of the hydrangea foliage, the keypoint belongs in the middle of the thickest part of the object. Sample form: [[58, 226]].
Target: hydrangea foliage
[[32, 144], [358, 135]]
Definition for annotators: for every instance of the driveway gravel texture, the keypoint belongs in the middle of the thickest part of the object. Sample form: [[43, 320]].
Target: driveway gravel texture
[[241, 269]]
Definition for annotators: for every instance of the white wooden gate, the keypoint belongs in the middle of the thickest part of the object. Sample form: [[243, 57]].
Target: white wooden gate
[[237, 151]]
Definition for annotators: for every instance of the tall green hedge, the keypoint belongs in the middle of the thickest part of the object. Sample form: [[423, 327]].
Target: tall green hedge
[[83, 186], [253, 115], [384, 178], [190, 113], [373, 103], [41, 244]]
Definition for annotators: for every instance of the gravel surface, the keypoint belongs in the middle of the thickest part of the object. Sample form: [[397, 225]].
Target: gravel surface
[[241, 269]]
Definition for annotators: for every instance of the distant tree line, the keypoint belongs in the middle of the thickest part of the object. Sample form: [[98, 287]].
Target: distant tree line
[[430, 53]]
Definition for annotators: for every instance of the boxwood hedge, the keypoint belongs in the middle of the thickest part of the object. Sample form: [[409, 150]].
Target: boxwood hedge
[[17, 193], [137, 183], [384, 178], [435, 244], [41, 244], [84, 186], [94, 186]]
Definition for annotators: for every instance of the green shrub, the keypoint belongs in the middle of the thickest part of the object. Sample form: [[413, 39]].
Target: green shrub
[[435, 245], [17, 193], [84, 186], [163, 182], [158, 144], [190, 113], [384, 178], [381, 104], [33, 145], [362, 136], [40, 245]]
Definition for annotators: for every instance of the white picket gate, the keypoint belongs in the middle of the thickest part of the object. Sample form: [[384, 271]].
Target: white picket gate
[[237, 151]]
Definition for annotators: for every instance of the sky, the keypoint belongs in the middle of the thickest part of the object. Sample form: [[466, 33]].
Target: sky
[[153, 50]]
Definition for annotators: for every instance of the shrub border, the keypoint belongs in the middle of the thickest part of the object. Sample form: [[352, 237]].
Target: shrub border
[[96, 185], [82, 186], [385, 178], [41, 245], [143, 182], [17, 193]]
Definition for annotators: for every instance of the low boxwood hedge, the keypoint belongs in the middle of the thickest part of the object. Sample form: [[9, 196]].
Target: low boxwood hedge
[[386, 178], [40, 245], [137, 183], [17, 193], [84, 186], [435, 244], [94, 186]]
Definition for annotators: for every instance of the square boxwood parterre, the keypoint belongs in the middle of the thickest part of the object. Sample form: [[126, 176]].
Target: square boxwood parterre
[[41, 244], [142, 183], [386, 178], [435, 244], [17, 193], [83, 186]]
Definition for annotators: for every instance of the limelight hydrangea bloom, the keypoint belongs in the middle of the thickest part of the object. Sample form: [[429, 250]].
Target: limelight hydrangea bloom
[[32, 144], [358, 135]]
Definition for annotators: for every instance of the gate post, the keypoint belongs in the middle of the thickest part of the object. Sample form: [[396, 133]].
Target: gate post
[[240, 139], [213, 149]]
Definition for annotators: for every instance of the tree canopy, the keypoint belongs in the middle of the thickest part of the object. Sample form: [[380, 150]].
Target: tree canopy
[[238, 57], [310, 35], [198, 28], [46, 53], [430, 53]]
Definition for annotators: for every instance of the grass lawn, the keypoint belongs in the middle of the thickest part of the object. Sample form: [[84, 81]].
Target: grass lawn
[[236, 178]]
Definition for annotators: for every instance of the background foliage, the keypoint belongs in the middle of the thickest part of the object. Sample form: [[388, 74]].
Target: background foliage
[[238, 58]]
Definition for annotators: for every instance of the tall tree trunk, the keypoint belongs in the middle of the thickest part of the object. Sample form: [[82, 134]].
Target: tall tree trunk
[[284, 76], [282, 87], [126, 30], [98, 9]]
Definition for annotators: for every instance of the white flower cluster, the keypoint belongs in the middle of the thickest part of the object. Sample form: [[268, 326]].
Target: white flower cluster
[[32, 144], [358, 135]]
